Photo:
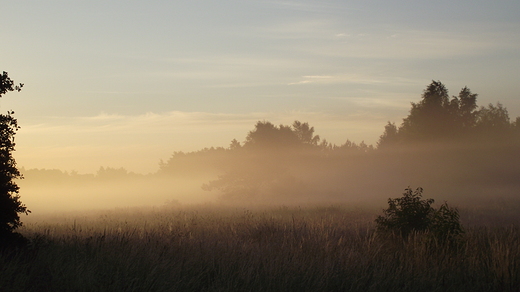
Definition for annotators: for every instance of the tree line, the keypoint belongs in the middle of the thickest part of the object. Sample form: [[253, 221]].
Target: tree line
[[445, 144], [451, 142], [439, 118], [446, 139]]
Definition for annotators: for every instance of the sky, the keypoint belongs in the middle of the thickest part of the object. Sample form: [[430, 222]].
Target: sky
[[127, 83]]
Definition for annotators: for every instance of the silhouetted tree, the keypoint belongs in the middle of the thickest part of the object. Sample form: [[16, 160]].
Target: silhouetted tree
[[266, 160], [234, 145], [437, 118], [467, 105], [493, 120], [268, 136], [10, 204], [390, 136], [353, 148], [515, 130], [305, 133], [6, 84], [431, 118]]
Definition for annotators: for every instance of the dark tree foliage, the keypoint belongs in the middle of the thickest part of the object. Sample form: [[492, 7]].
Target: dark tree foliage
[[443, 139], [411, 213], [467, 105], [268, 136], [389, 137], [493, 119], [437, 118], [406, 214], [10, 204], [261, 167], [6, 84], [305, 133], [431, 116]]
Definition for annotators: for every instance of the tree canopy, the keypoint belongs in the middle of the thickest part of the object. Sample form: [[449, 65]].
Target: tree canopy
[[437, 118], [266, 135], [10, 204], [282, 161]]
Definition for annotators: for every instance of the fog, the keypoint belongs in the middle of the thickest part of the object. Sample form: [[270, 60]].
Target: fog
[[453, 149], [351, 174], [50, 191]]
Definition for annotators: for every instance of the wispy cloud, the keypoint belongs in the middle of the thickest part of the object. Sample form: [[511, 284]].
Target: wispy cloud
[[336, 39], [300, 82], [350, 78], [318, 76], [313, 79]]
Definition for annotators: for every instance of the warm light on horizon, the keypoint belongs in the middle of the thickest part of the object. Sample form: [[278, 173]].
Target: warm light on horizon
[[138, 143], [128, 85]]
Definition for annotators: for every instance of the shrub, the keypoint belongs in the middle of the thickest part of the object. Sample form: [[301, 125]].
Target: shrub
[[411, 213]]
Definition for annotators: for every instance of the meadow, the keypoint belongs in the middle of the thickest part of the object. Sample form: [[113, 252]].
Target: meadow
[[271, 248]]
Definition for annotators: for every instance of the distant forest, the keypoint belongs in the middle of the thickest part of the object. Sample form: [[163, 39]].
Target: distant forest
[[448, 145]]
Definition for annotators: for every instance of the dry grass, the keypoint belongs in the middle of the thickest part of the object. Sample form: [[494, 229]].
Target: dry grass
[[208, 248]]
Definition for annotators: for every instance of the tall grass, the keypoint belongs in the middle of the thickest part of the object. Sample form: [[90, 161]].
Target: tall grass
[[258, 249]]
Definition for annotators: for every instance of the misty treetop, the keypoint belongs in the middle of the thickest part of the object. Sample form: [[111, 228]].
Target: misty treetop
[[292, 161], [266, 135], [437, 118], [449, 145]]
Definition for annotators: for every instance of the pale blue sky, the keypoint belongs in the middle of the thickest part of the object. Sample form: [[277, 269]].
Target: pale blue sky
[[127, 83]]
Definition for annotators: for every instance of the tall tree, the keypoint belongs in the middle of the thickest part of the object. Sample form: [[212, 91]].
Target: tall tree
[[267, 136], [389, 137], [436, 117], [431, 118], [305, 133], [493, 122], [266, 161], [467, 108], [10, 204]]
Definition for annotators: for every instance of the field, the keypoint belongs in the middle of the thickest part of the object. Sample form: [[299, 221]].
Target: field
[[284, 248]]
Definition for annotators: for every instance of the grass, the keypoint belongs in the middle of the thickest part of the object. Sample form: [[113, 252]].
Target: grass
[[205, 248]]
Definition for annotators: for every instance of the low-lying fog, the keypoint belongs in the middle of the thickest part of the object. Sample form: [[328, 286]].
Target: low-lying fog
[[56, 191], [450, 147], [349, 175]]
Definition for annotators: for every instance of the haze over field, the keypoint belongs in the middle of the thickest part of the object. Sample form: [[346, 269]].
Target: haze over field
[[127, 83], [264, 145], [450, 146]]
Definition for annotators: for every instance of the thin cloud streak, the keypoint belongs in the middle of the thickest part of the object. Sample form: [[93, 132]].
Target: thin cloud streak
[[176, 76], [353, 78]]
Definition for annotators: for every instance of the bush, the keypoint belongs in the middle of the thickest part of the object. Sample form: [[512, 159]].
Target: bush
[[411, 213]]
